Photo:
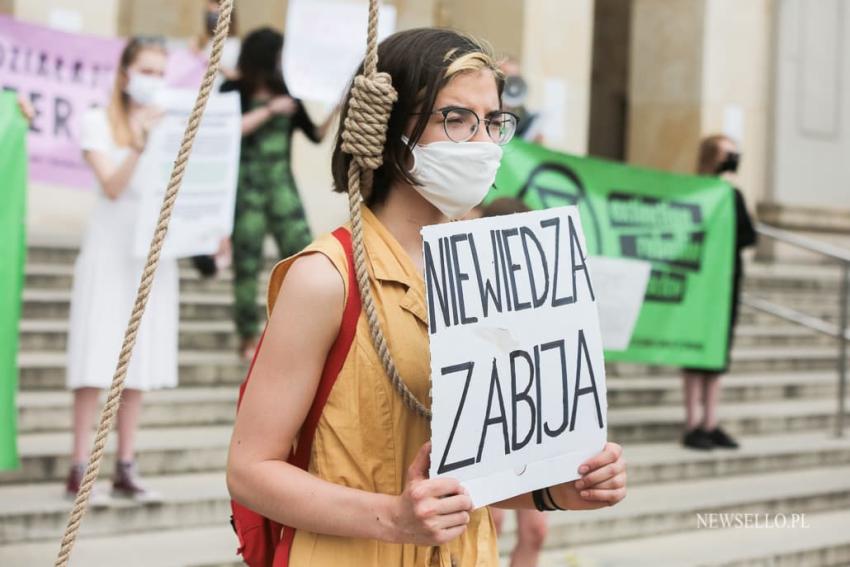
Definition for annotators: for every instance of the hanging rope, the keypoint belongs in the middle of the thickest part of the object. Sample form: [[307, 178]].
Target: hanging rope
[[369, 108], [110, 409]]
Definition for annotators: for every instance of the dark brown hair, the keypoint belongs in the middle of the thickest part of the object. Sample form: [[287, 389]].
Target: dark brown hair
[[259, 63], [420, 63]]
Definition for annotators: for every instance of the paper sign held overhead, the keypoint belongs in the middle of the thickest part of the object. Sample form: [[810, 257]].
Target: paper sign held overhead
[[325, 42], [517, 371]]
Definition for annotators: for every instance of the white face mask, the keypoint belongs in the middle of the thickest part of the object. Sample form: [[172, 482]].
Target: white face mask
[[144, 88], [455, 177]]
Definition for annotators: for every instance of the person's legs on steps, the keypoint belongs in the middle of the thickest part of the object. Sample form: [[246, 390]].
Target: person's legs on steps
[[695, 436], [126, 482], [531, 533], [249, 230], [287, 219], [86, 404], [711, 399]]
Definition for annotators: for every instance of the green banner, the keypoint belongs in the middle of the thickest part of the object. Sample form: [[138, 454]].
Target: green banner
[[683, 225], [13, 172]]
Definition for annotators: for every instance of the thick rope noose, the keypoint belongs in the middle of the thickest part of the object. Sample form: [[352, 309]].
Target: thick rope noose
[[110, 409], [370, 105]]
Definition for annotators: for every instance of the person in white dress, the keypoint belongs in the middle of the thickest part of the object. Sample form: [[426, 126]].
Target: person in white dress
[[107, 272]]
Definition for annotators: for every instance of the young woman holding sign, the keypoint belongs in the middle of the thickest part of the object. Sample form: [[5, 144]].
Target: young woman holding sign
[[365, 497], [107, 273]]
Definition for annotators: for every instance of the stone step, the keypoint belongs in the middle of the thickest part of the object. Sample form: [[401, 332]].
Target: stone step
[[38, 335], [51, 410], [204, 546], [33, 512], [665, 423], [654, 391], [52, 335], [772, 281], [750, 360], [750, 316], [779, 334], [653, 510], [55, 304], [159, 451], [54, 251], [43, 411], [630, 384], [658, 463], [824, 541], [784, 275], [51, 250], [59, 276], [182, 450], [796, 277], [53, 276], [46, 370]]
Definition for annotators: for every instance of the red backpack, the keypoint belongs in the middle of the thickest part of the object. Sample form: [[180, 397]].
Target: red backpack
[[263, 542]]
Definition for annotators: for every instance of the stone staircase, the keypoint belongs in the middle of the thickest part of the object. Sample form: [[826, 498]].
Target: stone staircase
[[779, 398]]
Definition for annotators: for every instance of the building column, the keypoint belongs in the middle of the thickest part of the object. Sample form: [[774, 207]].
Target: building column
[[700, 67], [552, 39], [557, 58]]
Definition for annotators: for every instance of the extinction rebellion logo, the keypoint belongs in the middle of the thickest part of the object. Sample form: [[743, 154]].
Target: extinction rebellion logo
[[666, 232]]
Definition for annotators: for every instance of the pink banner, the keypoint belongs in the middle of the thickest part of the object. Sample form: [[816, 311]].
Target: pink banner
[[62, 74]]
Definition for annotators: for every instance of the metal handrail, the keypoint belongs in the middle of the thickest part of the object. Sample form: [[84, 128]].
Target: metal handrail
[[824, 248], [840, 331]]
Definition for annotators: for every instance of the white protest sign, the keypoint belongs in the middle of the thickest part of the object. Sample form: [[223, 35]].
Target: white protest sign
[[517, 371], [325, 42], [620, 285], [203, 212]]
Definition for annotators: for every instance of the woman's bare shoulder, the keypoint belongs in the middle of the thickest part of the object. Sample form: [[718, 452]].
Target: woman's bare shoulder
[[313, 281]]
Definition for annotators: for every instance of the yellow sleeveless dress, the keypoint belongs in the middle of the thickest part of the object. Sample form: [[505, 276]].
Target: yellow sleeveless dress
[[366, 437]]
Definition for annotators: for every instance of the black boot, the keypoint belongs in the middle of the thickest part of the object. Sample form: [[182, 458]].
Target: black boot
[[698, 438], [722, 439]]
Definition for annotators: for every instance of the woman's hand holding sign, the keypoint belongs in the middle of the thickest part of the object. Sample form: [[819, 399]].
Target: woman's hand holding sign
[[435, 511], [430, 511], [603, 482]]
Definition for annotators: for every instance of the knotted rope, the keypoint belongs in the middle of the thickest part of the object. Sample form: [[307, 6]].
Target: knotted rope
[[110, 409], [369, 108]]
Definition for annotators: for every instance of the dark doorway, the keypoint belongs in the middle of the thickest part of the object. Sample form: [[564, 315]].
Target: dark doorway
[[609, 94]]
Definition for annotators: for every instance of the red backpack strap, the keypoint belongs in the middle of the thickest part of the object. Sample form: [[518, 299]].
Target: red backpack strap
[[333, 366]]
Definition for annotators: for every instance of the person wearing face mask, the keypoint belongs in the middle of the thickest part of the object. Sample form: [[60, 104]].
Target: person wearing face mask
[[107, 273], [201, 46], [364, 497], [718, 156], [267, 198]]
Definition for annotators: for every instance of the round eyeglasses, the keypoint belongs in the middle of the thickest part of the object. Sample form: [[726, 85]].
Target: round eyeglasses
[[461, 124]]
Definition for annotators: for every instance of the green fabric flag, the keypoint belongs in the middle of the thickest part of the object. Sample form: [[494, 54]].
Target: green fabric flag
[[682, 224], [13, 172]]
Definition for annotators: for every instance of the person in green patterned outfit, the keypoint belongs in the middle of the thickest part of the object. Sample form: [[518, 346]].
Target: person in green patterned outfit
[[267, 198]]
